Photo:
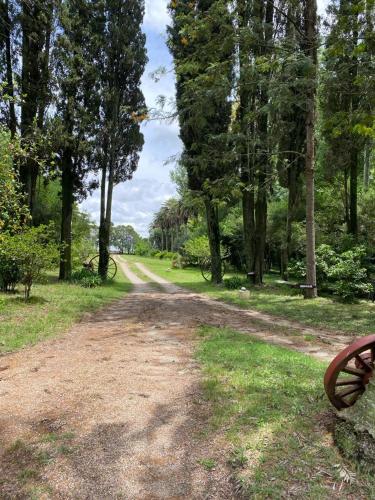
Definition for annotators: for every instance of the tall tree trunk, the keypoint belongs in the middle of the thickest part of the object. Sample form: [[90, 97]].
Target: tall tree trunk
[[103, 263], [366, 166], [246, 159], [260, 229], [353, 195], [9, 88], [105, 234], [248, 206], [354, 154], [214, 239], [264, 11], [311, 52], [346, 198], [67, 201]]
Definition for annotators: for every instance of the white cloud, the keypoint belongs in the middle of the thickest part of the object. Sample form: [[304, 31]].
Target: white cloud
[[322, 5], [156, 15], [134, 202]]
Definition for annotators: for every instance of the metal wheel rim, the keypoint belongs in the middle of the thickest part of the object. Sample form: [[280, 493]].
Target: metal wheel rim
[[112, 266]]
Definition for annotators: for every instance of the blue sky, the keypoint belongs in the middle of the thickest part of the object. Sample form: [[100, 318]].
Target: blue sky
[[135, 201]]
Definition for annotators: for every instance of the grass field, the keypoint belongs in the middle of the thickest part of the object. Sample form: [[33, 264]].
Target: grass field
[[276, 299], [53, 307], [269, 403]]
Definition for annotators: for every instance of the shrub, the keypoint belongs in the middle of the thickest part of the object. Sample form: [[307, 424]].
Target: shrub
[[32, 253], [143, 248], [235, 282], [339, 273], [348, 276], [179, 262], [86, 278], [197, 249], [9, 272]]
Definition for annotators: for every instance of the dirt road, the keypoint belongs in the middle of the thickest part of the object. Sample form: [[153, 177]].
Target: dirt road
[[113, 408]]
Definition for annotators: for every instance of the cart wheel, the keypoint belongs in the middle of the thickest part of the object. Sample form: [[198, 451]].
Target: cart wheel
[[112, 266], [206, 269], [348, 374]]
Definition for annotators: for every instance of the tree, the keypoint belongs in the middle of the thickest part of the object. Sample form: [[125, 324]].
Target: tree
[[312, 55], [201, 42], [36, 26], [124, 238], [6, 27], [77, 107], [122, 106], [347, 98]]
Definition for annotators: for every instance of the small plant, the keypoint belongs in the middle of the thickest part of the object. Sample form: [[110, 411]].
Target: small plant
[[86, 278], [208, 463], [234, 282], [238, 458]]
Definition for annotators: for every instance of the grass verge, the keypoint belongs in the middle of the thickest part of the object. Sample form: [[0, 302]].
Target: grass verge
[[270, 405], [53, 307], [275, 299]]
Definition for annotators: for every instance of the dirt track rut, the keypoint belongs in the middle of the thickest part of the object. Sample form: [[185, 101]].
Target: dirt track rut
[[115, 405]]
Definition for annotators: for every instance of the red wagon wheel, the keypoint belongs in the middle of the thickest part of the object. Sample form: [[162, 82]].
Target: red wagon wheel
[[349, 373]]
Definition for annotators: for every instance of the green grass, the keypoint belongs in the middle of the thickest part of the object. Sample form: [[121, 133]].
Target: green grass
[[269, 403], [275, 299], [53, 307]]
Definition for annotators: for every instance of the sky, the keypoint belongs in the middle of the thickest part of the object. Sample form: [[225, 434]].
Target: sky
[[135, 201]]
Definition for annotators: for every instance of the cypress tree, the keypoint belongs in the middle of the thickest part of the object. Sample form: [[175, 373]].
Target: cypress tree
[[201, 42], [122, 105]]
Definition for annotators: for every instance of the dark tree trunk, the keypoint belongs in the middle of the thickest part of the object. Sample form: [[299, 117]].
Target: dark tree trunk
[[346, 198], [353, 196], [246, 160], [366, 166], [311, 51], [264, 12], [103, 236], [214, 239], [248, 206], [260, 230], [67, 201], [9, 88]]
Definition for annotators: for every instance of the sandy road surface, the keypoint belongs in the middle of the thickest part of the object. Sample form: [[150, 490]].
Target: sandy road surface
[[113, 408]]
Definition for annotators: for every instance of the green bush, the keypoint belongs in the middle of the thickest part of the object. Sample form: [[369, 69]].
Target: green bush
[[165, 255], [341, 274], [86, 278], [197, 249], [143, 248], [179, 262], [349, 278], [10, 273], [32, 252], [235, 282]]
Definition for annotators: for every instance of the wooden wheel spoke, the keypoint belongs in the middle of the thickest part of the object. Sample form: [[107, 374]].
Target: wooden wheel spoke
[[348, 381], [363, 362], [352, 390], [354, 371]]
